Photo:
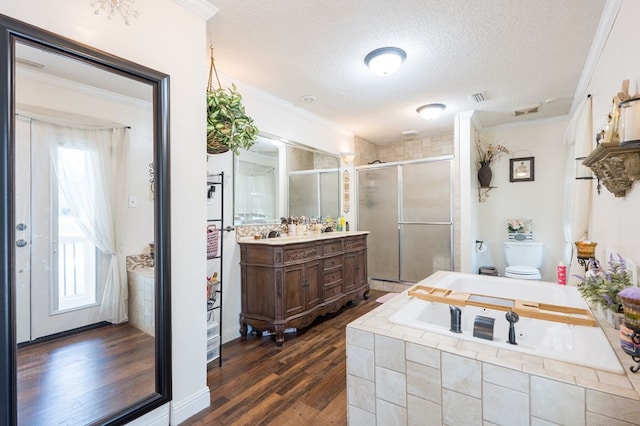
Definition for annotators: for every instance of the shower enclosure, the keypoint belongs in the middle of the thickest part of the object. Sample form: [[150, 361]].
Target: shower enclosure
[[408, 209]]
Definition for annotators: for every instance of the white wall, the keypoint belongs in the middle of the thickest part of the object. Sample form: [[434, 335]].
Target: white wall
[[170, 39], [540, 200], [614, 221]]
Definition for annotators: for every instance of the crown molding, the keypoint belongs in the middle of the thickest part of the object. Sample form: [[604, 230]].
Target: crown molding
[[286, 106], [84, 88], [201, 8]]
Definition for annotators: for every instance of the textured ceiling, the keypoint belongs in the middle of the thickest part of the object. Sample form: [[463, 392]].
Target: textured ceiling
[[517, 53]]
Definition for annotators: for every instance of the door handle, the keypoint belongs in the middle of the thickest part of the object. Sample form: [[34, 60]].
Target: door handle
[[21, 243], [21, 227]]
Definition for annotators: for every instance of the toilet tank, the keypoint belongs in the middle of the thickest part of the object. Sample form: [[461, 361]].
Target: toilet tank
[[523, 253]]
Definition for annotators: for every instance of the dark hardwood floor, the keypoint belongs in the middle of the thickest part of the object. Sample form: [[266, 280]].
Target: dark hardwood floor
[[300, 383], [76, 379]]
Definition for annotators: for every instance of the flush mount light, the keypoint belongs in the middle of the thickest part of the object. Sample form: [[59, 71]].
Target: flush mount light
[[431, 111], [385, 60]]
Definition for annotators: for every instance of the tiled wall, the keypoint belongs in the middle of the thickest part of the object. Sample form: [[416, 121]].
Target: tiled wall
[[399, 376], [414, 149]]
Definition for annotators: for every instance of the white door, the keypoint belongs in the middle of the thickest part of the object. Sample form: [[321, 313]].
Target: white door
[[57, 265]]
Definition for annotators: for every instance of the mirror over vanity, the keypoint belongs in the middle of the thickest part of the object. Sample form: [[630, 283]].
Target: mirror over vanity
[[278, 178], [84, 170]]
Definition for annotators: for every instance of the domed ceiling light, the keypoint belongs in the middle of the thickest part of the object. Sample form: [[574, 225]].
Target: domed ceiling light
[[431, 111], [385, 60]]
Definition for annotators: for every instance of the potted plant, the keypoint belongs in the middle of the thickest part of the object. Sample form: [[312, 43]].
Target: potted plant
[[601, 287], [228, 126], [487, 152]]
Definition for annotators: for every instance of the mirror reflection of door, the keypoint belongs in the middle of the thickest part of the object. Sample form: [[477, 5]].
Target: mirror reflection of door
[[83, 205], [59, 279]]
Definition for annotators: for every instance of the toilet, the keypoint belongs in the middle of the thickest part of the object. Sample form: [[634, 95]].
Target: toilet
[[523, 259]]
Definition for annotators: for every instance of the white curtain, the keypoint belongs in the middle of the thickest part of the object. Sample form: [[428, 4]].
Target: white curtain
[[94, 185], [577, 200]]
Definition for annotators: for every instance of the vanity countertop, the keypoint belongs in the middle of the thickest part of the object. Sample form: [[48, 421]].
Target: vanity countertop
[[278, 241]]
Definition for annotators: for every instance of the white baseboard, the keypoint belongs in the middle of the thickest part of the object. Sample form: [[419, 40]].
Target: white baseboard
[[230, 334], [157, 417], [182, 410]]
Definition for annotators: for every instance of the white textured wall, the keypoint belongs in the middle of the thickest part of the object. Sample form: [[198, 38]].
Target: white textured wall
[[614, 221], [170, 39]]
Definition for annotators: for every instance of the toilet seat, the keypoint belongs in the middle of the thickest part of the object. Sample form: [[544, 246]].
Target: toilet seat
[[522, 272]]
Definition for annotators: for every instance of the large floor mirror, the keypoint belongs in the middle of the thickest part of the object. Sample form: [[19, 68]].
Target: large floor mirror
[[84, 233]]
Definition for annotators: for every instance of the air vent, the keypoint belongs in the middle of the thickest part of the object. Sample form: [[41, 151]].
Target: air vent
[[532, 109], [478, 97]]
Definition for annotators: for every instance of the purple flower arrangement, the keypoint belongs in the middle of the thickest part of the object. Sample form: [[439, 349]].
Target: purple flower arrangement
[[602, 286]]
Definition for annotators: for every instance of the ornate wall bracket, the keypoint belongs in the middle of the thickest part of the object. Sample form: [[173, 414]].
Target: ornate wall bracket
[[483, 192], [617, 167]]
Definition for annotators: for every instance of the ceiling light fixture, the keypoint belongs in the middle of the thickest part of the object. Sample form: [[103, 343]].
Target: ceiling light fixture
[[431, 111], [123, 8], [385, 60]]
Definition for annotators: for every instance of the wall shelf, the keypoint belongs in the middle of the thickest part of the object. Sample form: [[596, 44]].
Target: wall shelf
[[616, 166], [215, 185], [483, 192]]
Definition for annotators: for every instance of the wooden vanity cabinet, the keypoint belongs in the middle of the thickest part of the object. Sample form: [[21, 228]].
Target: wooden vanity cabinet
[[289, 284], [355, 264]]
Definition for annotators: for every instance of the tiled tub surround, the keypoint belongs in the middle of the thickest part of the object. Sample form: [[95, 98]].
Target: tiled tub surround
[[141, 283], [398, 375]]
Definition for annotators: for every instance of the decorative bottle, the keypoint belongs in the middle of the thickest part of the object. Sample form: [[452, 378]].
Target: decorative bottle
[[562, 274]]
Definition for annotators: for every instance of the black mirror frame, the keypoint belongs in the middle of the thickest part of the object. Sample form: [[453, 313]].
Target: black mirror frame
[[12, 30]]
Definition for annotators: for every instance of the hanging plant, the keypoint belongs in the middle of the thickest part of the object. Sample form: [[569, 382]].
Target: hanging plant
[[228, 126]]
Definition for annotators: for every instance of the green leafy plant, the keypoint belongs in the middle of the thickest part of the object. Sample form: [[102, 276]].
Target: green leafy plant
[[228, 125], [601, 286]]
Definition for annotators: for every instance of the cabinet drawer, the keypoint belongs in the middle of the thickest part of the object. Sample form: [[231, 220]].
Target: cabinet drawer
[[332, 277], [331, 292], [332, 262], [330, 247]]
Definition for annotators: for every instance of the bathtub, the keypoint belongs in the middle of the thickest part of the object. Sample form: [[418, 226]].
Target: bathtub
[[575, 344]]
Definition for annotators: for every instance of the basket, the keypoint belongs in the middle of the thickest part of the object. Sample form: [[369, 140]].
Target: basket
[[630, 298], [212, 241], [215, 147]]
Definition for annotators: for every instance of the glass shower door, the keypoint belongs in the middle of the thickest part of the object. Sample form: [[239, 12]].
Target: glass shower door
[[425, 219], [378, 213]]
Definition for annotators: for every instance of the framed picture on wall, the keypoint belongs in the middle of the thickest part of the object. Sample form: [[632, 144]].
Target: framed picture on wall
[[521, 169]]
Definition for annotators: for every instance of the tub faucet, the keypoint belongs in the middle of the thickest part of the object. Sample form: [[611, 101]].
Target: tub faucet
[[513, 318], [456, 319]]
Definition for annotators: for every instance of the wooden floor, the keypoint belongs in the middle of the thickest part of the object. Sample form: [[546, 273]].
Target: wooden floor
[[300, 383], [76, 379]]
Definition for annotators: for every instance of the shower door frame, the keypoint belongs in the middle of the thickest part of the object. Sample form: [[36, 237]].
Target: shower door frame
[[400, 222]]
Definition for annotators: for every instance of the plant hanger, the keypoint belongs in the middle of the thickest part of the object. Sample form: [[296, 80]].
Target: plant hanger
[[213, 70], [228, 126]]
